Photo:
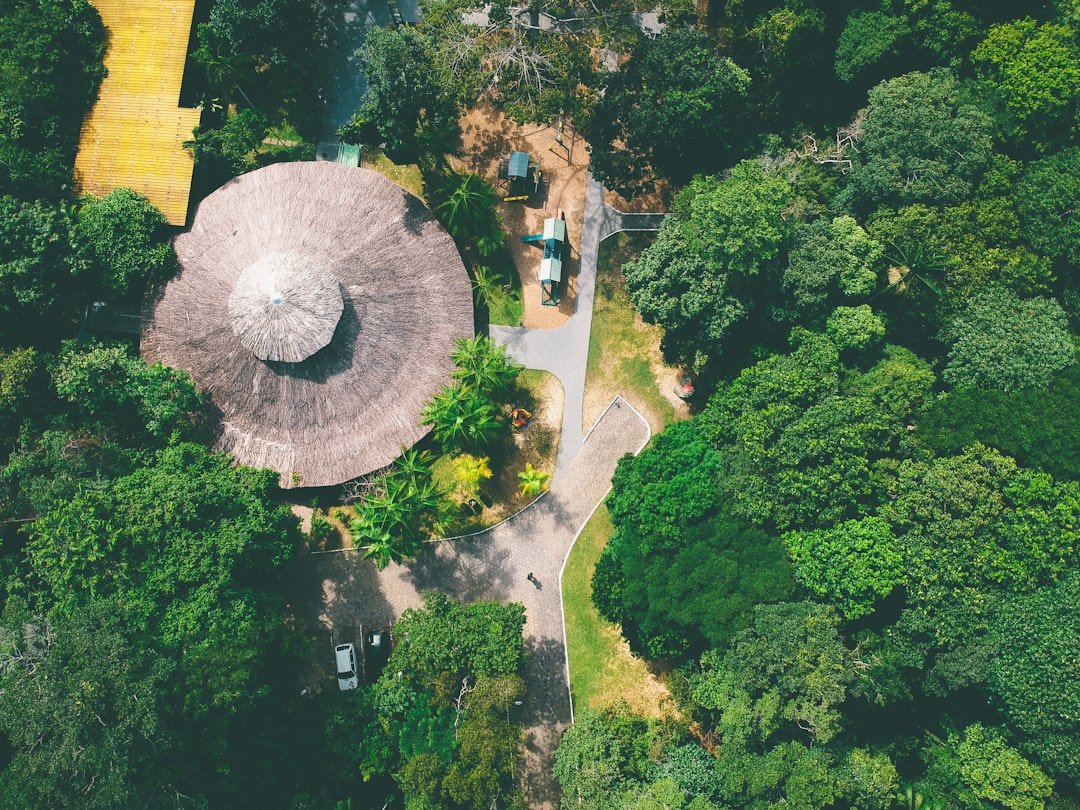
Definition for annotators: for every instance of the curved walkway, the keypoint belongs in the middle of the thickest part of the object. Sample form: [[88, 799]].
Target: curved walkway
[[494, 565], [564, 351]]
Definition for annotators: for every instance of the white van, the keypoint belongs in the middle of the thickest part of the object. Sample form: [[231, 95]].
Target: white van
[[345, 655]]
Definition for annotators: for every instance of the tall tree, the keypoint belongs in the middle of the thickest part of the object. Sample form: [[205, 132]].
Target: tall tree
[[1035, 670], [1002, 342], [668, 112], [124, 239], [405, 105], [81, 709], [1035, 69], [38, 264], [1048, 197], [50, 67], [921, 142], [806, 442], [702, 277]]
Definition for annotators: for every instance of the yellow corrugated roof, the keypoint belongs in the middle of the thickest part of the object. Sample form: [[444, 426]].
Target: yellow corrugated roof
[[133, 136]]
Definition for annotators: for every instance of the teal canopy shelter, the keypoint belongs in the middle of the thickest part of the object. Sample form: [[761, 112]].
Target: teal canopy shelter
[[550, 273]]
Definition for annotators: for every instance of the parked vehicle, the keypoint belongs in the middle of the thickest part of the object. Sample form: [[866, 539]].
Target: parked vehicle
[[347, 677]]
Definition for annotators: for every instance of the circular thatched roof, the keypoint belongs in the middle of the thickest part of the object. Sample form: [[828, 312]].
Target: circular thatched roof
[[284, 307], [316, 306]]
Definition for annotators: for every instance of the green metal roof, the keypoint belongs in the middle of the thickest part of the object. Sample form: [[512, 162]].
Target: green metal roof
[[519, 164]]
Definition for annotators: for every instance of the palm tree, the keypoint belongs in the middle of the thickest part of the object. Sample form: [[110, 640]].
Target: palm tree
[[483, 364], [533, 481], [470, 215], [460, 416], [413, 463], [469, 474], [915, 265], [913, 800], [222, 68], [393, 523], [486, 289]]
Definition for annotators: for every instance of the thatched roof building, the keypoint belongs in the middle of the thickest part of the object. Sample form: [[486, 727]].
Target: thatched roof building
[[316, 305]]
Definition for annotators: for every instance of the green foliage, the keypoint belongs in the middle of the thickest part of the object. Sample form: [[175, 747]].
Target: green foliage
[[867, 38], [1048, 198], [830, 261], [789, 666], [483, 365], [691, 768], [231, 149], [401, 511], [603, 758], [1036, 71], [921, 143], [532, 481], [268, 32], [50, 67], [680, 571], [977, 767], [852, 565], [469, 473], [975, 523], [487, 745], [855, 328], [1038, 428], [461, 417], [37, 261], [976, 243], [109, 385], [165, 577], [450, 640], [404, 105], [1035, 671], [1002, 342], [699, 279], [447, 692], [805, 442], [673, 598], [670, 109], [81, 708], [17, 371], [669, 486], [123, 239], [469, 210]]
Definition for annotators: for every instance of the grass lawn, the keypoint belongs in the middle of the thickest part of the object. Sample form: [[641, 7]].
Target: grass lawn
[[408, 176], [624, 352], [602, 669]]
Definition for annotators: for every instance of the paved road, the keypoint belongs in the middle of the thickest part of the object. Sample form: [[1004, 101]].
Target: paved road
[[564, 350], [494, 565]]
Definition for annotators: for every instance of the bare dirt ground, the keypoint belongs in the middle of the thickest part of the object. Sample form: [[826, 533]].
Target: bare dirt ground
[[487, 137], [645, 203]]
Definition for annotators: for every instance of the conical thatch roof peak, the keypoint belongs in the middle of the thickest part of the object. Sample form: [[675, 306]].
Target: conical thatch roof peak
[[327, 384], [285, 307]]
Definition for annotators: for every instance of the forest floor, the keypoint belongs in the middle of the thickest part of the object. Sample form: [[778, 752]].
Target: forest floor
[[603, 671]]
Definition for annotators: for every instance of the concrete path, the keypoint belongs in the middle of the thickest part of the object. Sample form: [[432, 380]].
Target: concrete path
[[494, 565], [564, 351]]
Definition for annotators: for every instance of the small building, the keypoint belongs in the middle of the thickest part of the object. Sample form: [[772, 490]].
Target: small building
[[134, 135], [518, 176]]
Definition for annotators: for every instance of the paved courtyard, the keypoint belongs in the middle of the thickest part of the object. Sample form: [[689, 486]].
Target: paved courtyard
[[494, 565]]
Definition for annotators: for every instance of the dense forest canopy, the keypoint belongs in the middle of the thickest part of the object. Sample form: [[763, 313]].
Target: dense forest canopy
[[901, 463], [857, 561]]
